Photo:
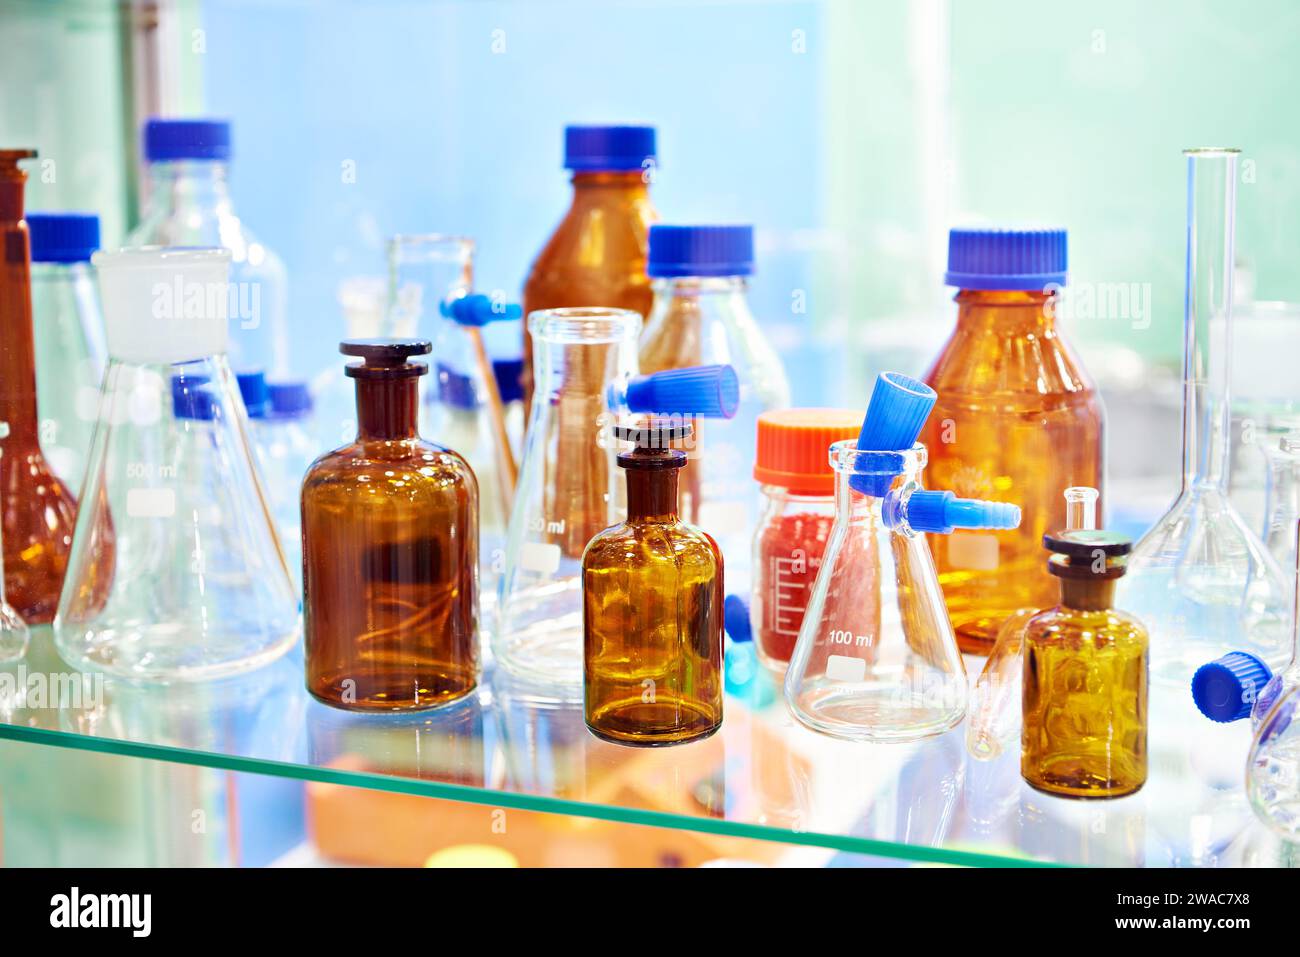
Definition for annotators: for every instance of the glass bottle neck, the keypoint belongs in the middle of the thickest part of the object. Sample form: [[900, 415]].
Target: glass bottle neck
[[387, 409], [651, 495], [1005, 311], [183, 184], [595, 187], [17, 347], [1084, 594]]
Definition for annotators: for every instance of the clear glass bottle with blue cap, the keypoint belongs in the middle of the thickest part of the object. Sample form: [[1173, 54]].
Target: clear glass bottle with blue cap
[[188, 203], [70, 352], [569, 483], [597, 254], [876, 658], [198, 585], [1017, 417], [701, 316], [652, 607]]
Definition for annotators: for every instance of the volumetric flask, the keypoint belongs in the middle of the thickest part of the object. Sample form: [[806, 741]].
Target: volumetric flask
[[876, 657], [200, 588], [1201, 580]]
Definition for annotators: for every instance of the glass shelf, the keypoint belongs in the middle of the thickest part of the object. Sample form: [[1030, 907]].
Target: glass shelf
[[762, 776]]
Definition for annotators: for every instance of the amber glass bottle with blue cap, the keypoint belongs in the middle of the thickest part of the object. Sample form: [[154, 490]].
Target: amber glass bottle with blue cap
[[1017, 419]]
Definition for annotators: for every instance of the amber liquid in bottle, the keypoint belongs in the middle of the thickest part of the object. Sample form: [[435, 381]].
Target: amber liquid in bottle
[[1017, 420], [390, 552], [1085, 686], [652, 613], [39, 511]]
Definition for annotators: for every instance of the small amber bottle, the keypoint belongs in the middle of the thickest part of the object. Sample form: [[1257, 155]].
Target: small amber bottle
[[390, 551], [652, 609], [1085, 677]]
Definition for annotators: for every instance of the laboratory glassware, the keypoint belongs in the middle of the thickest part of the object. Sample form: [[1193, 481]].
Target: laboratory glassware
[[652, 603], [995, 706], [390, 549], [40, 510], [1200, 580], [1017, 413], [199, 588], [700, 315], [597, 254], [69, 329], [1282, 498], [188, 203], [1085, 677], [569, 487], [14, 634], [798, 489], [876, 658]]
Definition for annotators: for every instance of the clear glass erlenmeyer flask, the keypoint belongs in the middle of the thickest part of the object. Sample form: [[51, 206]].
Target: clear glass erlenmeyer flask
[[876, 657], [1200, 579], [200, 588], [1282, 502]]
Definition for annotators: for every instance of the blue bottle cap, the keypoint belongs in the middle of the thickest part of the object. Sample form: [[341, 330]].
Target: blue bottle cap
[[63, 237], [290, 398], [700, 251], [593, 149], [710, 391], [509, 375], [193, 398], [257, 398], [1011, 259], [1225, 689], [942, 512], [455, 388], [198, 139], [478, 309], [735, 619]]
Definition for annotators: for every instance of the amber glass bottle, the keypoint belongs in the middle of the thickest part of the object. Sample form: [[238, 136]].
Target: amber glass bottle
[[652, 609], [390, 551], [39, 511], [1017, 420], [597, 255], [1085, 677]]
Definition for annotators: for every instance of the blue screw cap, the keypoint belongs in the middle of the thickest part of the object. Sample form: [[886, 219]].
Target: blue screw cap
[[710, 391], [199, 139], [509, 374], [193, 398], [63, 237], [257, 397], [1225, 689], [897, 411], [700, 251], [478, 309], [290, 398], [937, 511], [735, 618], [594, 149], [1010, 259]]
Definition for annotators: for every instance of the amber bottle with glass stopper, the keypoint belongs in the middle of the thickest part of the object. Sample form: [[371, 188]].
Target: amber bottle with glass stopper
[[1085, 677], [390, 551], [652, 608]]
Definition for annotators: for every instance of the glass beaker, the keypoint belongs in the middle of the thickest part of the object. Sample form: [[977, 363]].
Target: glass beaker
[[876, 657], [200, 589], [1200, 579]]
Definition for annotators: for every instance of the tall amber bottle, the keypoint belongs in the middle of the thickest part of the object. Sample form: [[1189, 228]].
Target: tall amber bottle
[[652, 609], [1085, 677], [597, 255], [390, 551], [39, 511], [1018, 419]]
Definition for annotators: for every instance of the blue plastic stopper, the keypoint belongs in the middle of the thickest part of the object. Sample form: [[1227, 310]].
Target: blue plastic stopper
[[252, 387], [478, 309], [735, 618], [898, 409], [1225, 689], [710, 391], [942, 511]]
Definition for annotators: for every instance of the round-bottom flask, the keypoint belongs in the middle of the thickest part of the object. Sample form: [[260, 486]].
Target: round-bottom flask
[[876, 657]]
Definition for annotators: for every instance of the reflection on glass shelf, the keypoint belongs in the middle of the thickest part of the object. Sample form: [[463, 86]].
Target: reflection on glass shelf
[[763, 776]]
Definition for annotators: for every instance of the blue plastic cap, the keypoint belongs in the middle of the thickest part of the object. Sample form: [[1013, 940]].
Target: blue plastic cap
[[1012, 259], [1225, 690], [710, 391], [897, 410], [942, 512], [290, 399], [478, 309], [197, 139], [592, 149], [735, 618], [700, 251], [63, 237], [257, 398], [193, 398], [509, 375]]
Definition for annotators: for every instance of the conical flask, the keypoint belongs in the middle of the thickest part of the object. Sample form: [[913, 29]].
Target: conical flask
[[14, 634], [1200, 579], [570, 487], [200, 588]]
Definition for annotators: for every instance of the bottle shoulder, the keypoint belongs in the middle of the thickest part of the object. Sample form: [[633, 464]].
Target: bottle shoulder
[[1071, 626], [597, 247], [637, 543], [402, 464]]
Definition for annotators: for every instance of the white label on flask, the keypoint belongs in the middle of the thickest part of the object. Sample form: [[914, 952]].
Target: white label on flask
[[151, 502], [540, 557], [975, 552], [845, 668]]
